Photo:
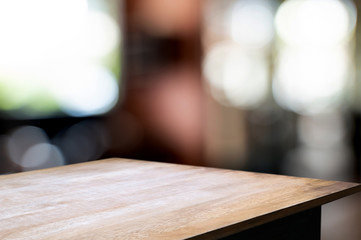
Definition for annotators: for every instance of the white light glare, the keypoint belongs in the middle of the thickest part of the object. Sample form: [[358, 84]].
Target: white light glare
[[101, 36], [236, 77], [313, 22], [309, 82], [251, 23], [57, 48], [85, 90], [34, 31]]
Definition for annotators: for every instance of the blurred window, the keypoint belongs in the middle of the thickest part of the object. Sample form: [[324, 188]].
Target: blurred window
[[59, 57]]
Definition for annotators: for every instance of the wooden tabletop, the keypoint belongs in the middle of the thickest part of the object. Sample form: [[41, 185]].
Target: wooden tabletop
[[129, 199]]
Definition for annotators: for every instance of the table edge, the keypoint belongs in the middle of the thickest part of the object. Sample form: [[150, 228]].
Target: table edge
[[272, 216]]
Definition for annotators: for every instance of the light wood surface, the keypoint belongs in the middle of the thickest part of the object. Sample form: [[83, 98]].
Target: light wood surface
[[129, 199]]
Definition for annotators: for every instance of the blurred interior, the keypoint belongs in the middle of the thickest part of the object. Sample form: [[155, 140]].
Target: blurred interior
[[259, 85]]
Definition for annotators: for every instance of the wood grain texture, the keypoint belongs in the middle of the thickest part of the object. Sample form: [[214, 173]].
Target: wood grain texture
[[129, 199]]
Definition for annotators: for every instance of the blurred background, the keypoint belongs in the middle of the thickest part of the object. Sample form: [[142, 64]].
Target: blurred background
[[260, 85]]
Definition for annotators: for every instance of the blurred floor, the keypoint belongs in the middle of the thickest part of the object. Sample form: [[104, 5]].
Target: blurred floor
[[341, 219]]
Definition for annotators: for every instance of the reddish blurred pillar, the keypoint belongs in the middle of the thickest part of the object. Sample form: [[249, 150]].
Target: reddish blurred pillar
[[163, 93]]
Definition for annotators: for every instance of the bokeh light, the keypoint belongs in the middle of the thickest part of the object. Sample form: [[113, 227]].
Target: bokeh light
[[313, 22], [237, 39], [42, 155], [322, 131], [34, 30], [47, 44], [251, 22], [323, 150], [82, 142], [101, 36], [236, 78], [308, 81], [29, 148], [333, 163], [85, 89], [313, 68]]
